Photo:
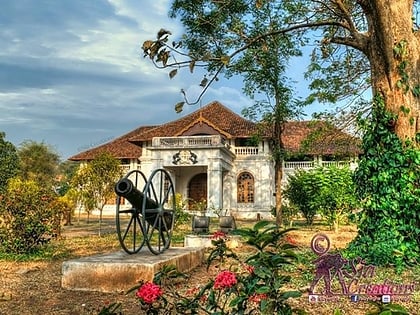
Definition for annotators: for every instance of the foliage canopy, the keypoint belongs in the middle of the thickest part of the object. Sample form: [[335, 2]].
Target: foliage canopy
[[38, 161], [387, 182], [9, 161]]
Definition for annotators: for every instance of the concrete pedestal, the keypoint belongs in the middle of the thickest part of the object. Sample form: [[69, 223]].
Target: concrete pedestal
[[201, 240], [119, 271]]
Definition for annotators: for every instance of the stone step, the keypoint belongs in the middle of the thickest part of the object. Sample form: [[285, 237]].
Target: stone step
[[119, 271]]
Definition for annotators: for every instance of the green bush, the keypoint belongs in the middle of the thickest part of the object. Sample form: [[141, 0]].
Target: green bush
[[181, 216], [335, 196], [299, 193], [326, 190], [29, 216], [9, 162]]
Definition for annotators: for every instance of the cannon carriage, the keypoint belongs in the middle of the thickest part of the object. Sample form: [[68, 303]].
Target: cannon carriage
[[150, 216]]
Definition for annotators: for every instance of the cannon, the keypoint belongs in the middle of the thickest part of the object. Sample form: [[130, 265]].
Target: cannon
[[150, 217]]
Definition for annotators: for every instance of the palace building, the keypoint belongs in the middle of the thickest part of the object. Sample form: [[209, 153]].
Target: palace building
[[214, 161]]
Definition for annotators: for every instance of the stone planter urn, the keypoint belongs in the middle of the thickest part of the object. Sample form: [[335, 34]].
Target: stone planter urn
[[227, 223], [200, 224]]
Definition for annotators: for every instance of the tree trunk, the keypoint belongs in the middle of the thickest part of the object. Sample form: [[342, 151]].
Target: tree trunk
[[278, 169], [100, 220], [278, 156], [393, 52]]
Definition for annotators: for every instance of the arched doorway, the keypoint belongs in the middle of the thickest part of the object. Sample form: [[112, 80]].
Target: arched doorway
[[197, 191]]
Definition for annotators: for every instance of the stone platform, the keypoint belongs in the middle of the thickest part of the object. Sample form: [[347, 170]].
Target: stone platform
[[200, 240], [119, 271]]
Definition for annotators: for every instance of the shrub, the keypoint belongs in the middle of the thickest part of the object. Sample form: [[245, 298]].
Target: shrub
[[181, 216], [30, 216], [329, 191], [9, 161], [289, 212], [252, 284], [335, 196], [299, 193]]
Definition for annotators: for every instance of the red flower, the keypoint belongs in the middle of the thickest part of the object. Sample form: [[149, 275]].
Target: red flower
[[290, 240], [149, 292], [257, 297], [249, 268], [203, 298], [218, 235], [225, 279], [192, 291]]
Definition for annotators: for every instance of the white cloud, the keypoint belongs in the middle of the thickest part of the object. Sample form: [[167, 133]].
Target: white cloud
[[72, 72]]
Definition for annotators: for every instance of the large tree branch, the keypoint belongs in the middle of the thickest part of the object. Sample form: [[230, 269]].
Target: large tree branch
[[290, 29], [345, 14], [359, 43]]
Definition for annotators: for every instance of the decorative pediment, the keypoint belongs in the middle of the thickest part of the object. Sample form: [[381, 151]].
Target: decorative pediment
[[184, 157]]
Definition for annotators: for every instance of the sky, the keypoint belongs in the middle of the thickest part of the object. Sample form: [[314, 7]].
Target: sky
[[73, 76]]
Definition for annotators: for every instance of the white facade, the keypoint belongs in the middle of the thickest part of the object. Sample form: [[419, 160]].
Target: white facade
[[221, 163], [211, 165]]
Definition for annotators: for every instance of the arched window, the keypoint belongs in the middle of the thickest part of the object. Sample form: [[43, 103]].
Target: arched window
[[245, 186]]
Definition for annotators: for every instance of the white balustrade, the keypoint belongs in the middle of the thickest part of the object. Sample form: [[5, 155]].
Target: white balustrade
[[246, 150], [299, 165], [196, 141]]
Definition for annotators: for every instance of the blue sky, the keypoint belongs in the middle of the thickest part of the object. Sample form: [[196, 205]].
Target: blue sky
[[72, 74]]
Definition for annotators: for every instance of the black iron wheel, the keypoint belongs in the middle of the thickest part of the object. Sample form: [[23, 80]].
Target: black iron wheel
[[128, 218], [158, 211]]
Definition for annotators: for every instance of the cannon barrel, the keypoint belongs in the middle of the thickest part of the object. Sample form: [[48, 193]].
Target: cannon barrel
[[125, 188]]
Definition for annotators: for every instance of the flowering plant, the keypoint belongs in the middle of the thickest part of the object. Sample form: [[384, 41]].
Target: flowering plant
[[220, 248], [248, 283], [225, 280], [149, 292]]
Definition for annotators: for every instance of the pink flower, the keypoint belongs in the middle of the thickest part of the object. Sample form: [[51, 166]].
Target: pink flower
[[149, 292], [225, 279], [218, 235]]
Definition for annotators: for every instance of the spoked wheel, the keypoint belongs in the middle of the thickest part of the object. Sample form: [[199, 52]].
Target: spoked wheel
[[128, 219], [158, 211]]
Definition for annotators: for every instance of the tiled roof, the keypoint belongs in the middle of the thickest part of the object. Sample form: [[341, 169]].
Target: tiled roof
[[219, 119], [120, 147], [317, 137], [222, 119]]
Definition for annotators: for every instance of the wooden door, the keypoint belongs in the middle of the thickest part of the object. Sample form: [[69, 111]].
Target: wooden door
[[197, 191]]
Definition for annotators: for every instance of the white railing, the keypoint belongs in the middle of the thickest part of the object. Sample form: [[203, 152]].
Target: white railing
[[125, 167], [299, 165], [196, 141], [246, 150], [335, 163], [201, 141], [312, 164]]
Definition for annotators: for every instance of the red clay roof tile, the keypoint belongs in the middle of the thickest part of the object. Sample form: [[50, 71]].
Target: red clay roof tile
[[216, 118]]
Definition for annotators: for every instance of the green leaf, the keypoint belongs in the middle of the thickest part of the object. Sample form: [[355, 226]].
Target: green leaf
[[262, 290], [173, 73], [396, 308], [291, 294], [179, 106]]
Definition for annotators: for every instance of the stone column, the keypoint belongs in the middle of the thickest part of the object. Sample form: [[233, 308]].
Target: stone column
[[215, 185]]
